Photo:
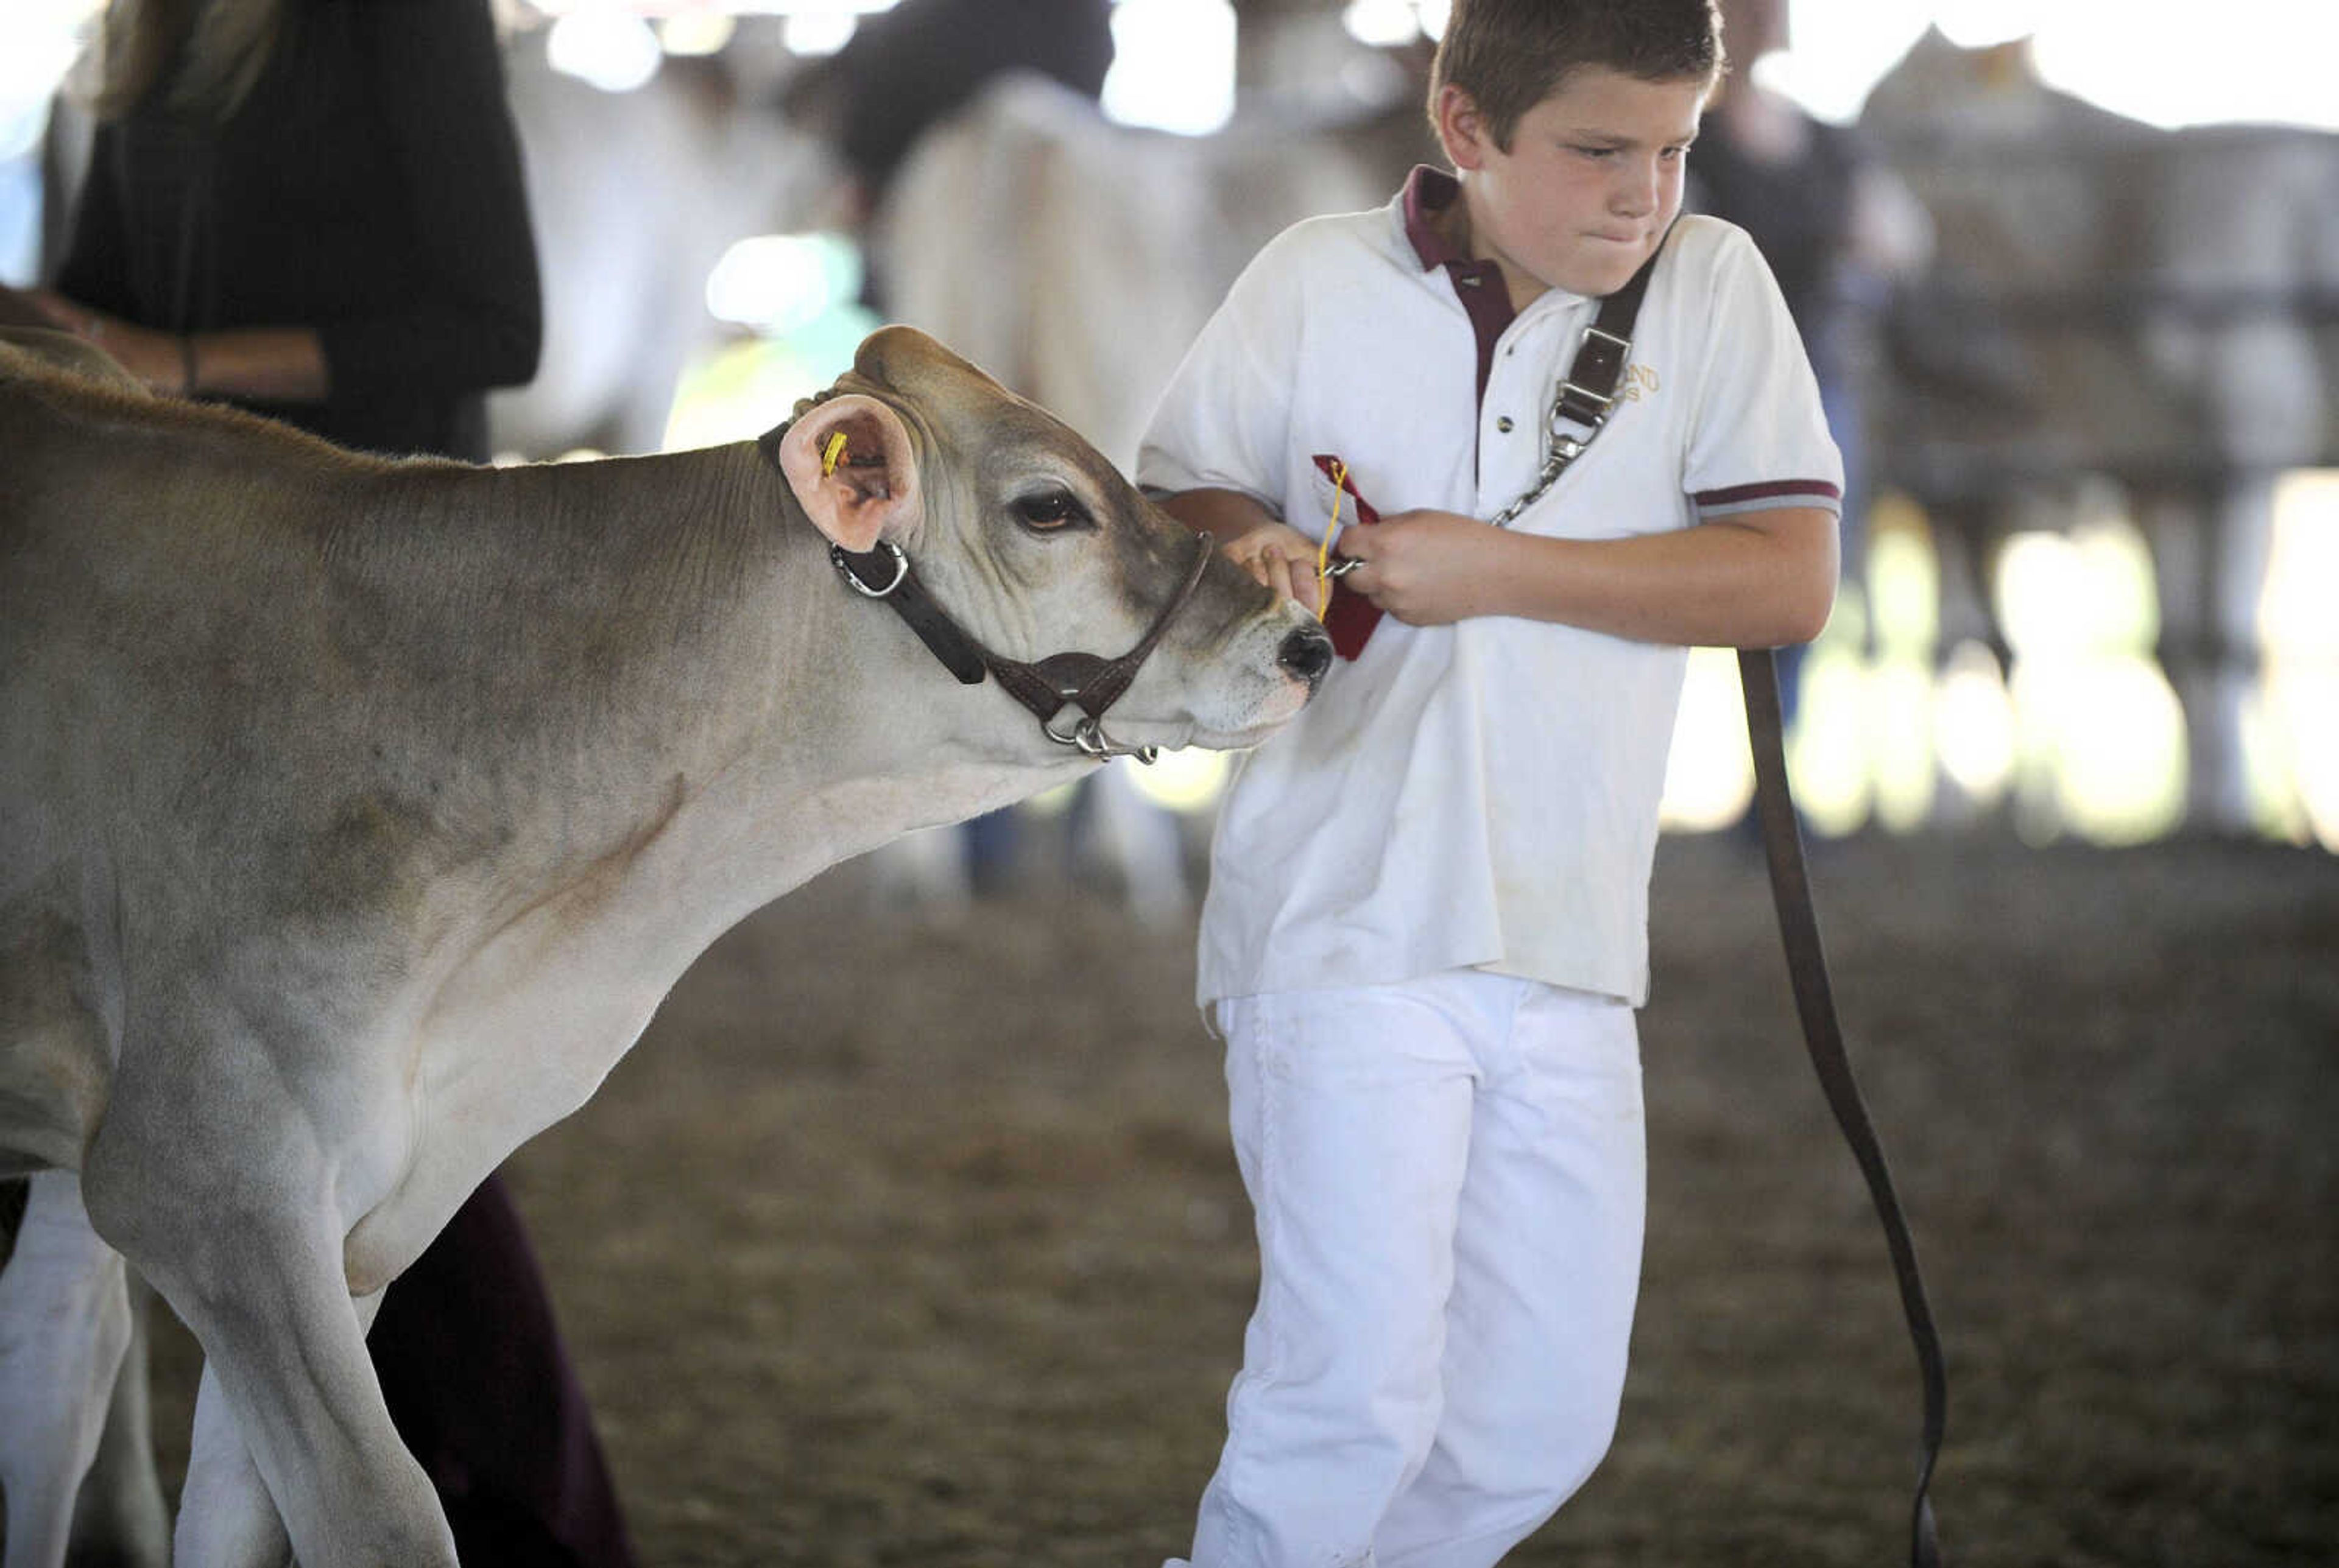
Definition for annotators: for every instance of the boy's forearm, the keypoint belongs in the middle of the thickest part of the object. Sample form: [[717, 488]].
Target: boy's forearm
[[1760, 580]]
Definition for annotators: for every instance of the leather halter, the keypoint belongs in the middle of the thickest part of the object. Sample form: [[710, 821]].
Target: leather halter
[[1089, 682], [1049, 686]]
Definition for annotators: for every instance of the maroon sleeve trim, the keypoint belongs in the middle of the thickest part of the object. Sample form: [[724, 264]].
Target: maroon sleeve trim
[[1775, 489]]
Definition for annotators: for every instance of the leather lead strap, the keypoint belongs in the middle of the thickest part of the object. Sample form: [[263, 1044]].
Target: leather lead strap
[[1798, 930], [1585, 397]]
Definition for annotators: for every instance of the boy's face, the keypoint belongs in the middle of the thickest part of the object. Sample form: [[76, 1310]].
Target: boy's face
[[1592, 179]]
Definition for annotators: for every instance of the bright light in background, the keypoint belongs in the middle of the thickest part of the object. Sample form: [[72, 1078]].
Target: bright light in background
[[615, 51], [1901, 719], [1709, 771], [1828, 744], [38, 42], [2101, 737], [2260, 60], [1393, 23], [1382, 24], [1173, 65], [32, 63], [812, 34], [1974, 725], [2298, 714], [782, 283], [798, 297], [697, 34], [1187, 780]]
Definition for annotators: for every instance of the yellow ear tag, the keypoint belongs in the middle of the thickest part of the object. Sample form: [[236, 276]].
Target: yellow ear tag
[[1324, 549], [831, 453]]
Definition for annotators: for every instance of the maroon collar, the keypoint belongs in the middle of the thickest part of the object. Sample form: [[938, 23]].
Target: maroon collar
[[1428, 194], [1479, 285]]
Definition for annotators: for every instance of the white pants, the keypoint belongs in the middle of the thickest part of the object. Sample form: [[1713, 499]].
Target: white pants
[[1449, 1182]]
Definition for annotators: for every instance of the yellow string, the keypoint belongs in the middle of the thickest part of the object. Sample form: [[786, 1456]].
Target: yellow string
[[1324, 549], [830, 453]]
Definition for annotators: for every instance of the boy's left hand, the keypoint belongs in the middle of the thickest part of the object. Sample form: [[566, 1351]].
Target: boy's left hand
[[1426, 568]]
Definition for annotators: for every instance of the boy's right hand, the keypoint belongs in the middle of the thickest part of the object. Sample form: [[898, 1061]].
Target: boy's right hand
[[1282, 557]]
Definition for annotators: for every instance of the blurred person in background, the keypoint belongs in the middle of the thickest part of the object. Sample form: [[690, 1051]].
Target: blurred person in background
[[314, 209], [909, 69], [311, 209], [1836, 225]]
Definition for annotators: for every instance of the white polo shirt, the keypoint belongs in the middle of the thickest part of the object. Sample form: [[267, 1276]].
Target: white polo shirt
[[1482, 795]]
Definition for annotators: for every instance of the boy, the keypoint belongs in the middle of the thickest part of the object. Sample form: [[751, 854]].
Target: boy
[[1426, 931]]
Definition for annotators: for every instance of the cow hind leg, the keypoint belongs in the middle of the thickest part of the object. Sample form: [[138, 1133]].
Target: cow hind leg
[[65, 1323]]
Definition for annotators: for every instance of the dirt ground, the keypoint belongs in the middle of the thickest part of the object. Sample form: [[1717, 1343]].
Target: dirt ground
[[901, 1241]]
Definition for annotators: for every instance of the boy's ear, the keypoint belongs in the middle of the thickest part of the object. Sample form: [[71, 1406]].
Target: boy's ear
[[1461, 129], [858, 489]]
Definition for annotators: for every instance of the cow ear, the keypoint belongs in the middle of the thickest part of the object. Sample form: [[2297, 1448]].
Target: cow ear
[[848, 460]]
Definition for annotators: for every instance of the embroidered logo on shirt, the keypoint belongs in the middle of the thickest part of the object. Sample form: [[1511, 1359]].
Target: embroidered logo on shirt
[[1637, 379]]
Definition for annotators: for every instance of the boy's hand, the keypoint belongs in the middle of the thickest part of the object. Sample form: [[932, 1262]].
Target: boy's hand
[[1426, 568], [1282, 557]]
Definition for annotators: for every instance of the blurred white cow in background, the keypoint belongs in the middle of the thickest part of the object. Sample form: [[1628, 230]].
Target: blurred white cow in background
[[635, 195], [2109, 300], [1077, 259]]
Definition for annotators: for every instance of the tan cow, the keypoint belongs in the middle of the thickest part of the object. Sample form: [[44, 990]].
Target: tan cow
[[355, 815]]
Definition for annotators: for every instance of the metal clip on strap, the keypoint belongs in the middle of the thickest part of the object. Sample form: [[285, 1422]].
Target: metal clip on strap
[[1589, 391]]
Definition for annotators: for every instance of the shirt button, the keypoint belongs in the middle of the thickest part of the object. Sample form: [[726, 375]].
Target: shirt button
[[1504, 424]]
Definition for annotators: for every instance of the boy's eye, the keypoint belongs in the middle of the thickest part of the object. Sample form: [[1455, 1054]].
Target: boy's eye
[[1595, 151], [1050, 509]]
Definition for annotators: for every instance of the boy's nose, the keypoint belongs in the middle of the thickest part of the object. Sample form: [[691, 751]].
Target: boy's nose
[[1635, 192]]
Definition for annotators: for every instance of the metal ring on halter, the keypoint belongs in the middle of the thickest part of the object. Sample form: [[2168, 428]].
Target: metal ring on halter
[[1343, 565], [901, 569]]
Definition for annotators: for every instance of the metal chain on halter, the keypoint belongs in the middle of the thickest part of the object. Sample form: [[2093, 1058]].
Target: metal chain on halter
[[1576, 402], [1588, 391]]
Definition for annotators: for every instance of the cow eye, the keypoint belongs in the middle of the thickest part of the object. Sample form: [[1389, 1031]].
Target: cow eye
[[1049, 510]]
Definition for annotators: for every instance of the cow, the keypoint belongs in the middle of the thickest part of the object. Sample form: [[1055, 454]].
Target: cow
[[356, 814], [2111, 301]]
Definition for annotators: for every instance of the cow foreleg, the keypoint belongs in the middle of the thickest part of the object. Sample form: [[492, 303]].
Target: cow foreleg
[[65, 1322], [289, 1411], [226, 1515]]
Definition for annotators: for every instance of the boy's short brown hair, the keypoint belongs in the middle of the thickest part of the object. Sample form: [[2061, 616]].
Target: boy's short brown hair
[[1511, 54]]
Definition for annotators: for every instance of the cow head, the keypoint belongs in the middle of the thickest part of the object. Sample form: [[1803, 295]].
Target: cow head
[[1030, 541]]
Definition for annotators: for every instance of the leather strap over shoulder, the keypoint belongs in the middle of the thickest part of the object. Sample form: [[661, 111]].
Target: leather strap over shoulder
[[1582, 405]]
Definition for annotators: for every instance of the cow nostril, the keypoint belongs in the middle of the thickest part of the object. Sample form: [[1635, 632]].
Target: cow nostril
[[1307, 653]]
